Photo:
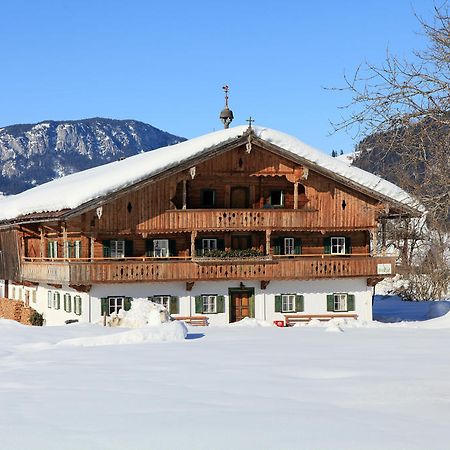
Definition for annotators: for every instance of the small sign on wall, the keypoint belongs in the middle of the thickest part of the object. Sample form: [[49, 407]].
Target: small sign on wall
[[384, 269]]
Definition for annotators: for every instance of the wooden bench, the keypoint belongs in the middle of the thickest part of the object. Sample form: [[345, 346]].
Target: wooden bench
[[195, 321], [292, 319]]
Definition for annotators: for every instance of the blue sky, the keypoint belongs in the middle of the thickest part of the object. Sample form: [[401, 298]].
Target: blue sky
[[164, 62]]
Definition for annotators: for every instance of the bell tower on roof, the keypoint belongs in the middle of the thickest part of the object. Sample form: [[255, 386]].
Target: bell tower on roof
[[226, 115]]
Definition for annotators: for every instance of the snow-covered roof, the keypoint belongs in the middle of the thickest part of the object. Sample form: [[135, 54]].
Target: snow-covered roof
[[74, 190]]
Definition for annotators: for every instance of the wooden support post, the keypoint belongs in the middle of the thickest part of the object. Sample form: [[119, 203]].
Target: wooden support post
[[184, 194], [268, 236], [296, 195], [65, 246], [374, 238], [42, 243], [383, 236], [91, 250], [193, 237]]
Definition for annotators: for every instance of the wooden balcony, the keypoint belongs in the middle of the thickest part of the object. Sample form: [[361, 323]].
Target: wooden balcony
[[133, 270], [235, 219]]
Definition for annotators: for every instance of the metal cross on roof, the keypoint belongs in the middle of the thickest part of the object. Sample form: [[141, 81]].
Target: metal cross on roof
[[250, 120]]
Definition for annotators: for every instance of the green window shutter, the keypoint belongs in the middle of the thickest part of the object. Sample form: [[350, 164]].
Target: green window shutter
[[277, 246], [330, 302], [174, 305], [69, 303], [77, 305], [198, 247], [220, 244], [79, 249], [172, 247], [299, 303], [127, 303], [297, 246], [128, 248], [106, 249], [148, 247], [252, 306], [278, 303], [198, 304], [80, 306], [220, 304], [57, 300], [327, 245], [348, 245], [70, 249], [104, 303], [350, 302]]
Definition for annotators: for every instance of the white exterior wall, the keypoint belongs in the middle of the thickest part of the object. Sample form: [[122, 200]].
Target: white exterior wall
[[314, 292], [54, 316]]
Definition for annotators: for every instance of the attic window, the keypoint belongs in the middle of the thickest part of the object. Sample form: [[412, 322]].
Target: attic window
[[129, 207], [343, 204]]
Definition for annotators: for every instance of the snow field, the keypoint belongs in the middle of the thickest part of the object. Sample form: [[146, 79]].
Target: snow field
[[241, 387]]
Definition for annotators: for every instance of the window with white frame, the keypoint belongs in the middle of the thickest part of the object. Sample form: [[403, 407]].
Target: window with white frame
[[163, 300], [338, 245], [77, 305], [117, 249], [288, 303], [289, 246], [115, 304], [52, 249], [161, 248], [209, 304], [49, 299], [77, 249], [56, 300], [340, 302], [209, 244]]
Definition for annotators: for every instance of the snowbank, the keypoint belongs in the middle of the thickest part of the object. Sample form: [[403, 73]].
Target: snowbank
[[164, 332], [249, 322], [142, 313]]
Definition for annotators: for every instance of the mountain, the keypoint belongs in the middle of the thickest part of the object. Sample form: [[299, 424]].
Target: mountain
[[34, 154]]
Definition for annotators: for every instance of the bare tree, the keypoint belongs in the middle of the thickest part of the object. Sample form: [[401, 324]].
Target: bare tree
[[401, 111]]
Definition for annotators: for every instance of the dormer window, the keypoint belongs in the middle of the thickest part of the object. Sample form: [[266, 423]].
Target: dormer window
[[208, 198], [277, 198]]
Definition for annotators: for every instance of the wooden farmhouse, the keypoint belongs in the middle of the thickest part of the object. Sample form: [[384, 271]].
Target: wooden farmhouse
[[243, 222]]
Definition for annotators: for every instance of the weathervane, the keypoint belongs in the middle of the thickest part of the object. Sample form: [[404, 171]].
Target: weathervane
[[226, 115]]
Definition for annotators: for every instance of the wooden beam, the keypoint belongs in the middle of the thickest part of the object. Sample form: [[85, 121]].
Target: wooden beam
[[81, 287], [264, 284], [296, 195], [268, 236], [184, 194], [42, 243], [189, 285], [193, 237]]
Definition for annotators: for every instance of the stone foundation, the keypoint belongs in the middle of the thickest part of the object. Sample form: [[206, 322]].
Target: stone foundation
[[15, 310]]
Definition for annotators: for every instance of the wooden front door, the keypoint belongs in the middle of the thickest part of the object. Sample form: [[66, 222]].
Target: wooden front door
[[239, 197], [241, 241], [241, 305]]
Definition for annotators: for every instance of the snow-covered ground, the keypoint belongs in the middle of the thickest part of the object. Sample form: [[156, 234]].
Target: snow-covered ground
[[236, 387]]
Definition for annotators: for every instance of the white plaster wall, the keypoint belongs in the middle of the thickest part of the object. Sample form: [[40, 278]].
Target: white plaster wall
[[2, 288], [58, 317], [314, 292]]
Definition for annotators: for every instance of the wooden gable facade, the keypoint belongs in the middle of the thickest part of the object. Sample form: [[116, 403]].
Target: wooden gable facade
[[246, 211]]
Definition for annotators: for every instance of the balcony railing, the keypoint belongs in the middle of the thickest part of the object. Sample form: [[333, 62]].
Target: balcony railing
[[82, 272], [235, 219]]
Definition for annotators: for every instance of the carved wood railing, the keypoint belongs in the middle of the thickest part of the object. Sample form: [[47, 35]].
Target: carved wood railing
[[234, 219], [135, 270]]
